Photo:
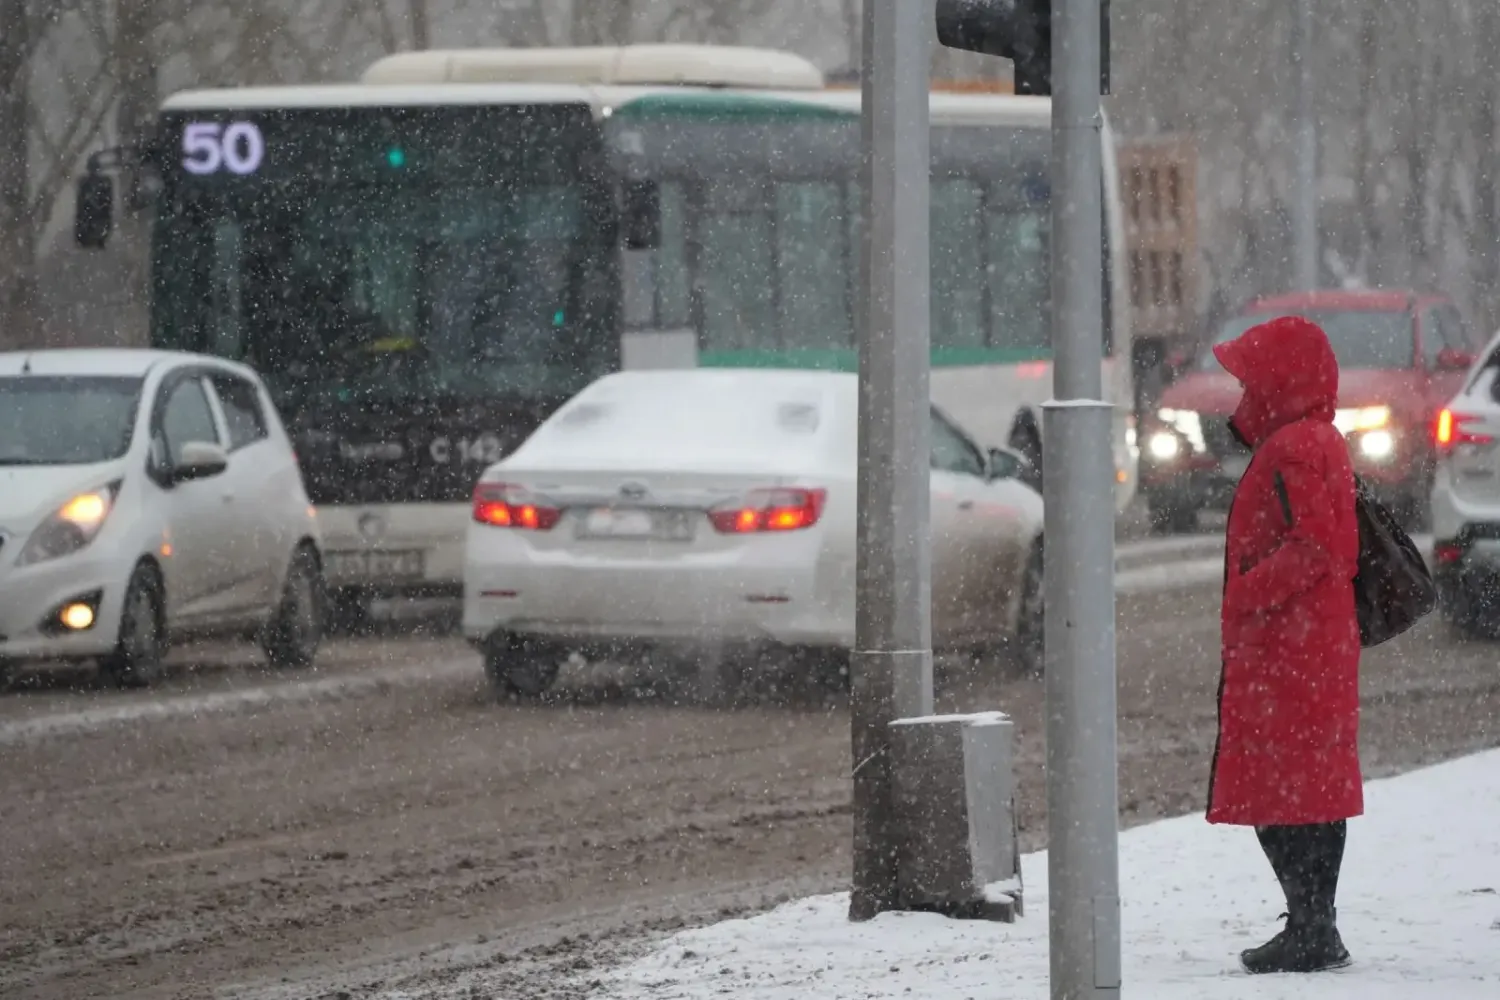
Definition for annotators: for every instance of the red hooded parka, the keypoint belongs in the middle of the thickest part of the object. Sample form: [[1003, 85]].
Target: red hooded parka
[[1288, 748]]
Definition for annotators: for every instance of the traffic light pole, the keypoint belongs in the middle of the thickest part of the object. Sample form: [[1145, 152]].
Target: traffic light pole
[[891, 668], [1082, 790]]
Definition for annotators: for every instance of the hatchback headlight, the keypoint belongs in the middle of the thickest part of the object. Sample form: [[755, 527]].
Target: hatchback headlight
[[71, 527]]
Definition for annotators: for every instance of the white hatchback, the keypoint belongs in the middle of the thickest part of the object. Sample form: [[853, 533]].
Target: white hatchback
[[715, 509], [146, 497]]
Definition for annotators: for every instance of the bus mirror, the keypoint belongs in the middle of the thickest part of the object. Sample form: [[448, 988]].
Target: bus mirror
[[94, 211], [642, 215]]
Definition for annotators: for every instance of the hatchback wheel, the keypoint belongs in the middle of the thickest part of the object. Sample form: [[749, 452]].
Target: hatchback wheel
[[295, 631], [141, 648]]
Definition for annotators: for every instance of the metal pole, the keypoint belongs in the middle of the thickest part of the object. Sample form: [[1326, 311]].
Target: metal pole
[[1305, 206], [135, 117], [891, 667], [1082, 792]]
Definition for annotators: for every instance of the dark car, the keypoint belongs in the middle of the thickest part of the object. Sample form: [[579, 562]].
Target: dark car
[[1401, 355]]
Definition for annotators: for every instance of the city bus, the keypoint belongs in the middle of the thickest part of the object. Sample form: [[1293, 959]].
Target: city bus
[[426, 263]]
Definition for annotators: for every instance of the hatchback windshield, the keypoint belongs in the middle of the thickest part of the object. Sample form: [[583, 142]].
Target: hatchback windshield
[[66, 420], [1360, 339]]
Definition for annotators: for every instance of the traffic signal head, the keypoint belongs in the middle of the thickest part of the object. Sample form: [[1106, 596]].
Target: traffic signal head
[[1018, 30]]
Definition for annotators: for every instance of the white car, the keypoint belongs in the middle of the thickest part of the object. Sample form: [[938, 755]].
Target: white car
[[1466, 500], [148, 496], [715, 508]]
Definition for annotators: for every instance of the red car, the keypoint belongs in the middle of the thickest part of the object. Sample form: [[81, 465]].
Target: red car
[[1402, 356]]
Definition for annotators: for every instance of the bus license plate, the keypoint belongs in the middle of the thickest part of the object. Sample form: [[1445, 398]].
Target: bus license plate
[[628, 522], [376, 565]]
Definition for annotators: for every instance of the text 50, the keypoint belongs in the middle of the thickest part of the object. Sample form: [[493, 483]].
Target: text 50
[[208, 147]]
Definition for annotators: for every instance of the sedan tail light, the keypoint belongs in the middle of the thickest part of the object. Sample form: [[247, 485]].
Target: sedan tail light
[[770, 510], [504, 505], [1450, 430]]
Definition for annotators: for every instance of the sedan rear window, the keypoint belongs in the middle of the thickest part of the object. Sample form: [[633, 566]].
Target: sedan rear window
[[1360, 338], [66, 420], [688, 417]]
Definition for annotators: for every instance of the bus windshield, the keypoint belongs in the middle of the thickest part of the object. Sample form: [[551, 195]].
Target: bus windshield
[[390, 253]]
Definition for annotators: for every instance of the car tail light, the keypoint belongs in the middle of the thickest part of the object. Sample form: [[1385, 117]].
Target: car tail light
[[1447, 553], [1450, 430], [770, 510], [504, 505]]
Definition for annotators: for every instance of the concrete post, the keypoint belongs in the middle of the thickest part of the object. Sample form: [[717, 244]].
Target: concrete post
[[891, 667]]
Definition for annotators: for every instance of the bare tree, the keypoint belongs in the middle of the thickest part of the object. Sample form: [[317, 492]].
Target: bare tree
[[49, 56], [602, 22], [17, 246]]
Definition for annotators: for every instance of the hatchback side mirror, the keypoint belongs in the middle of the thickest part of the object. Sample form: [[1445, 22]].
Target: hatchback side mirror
[[641, 215], [199, 460], [94, 211], [1452, 360]]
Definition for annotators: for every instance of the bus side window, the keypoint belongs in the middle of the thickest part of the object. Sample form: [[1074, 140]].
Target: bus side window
[[657, 282], [736, 270], [1017, 238], [957, 264], [812, 266]]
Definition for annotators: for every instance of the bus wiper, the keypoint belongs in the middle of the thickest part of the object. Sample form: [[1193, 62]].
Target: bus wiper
[[23, 460]]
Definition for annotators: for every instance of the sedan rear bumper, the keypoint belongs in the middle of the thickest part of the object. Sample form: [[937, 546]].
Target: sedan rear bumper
[[675, 603]]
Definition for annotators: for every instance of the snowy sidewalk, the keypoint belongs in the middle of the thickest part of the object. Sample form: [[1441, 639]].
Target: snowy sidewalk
[[1419, 907]]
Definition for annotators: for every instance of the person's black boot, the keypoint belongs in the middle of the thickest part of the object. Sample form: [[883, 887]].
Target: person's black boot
[[1277, 955], [1305, 944], [1322, 945]]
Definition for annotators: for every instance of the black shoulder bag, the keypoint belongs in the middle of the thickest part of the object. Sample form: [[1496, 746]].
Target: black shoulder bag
[[1393, 589]]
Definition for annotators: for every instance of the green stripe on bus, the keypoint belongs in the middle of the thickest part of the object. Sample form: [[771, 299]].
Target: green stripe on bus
[[845, 359], [725, 107]]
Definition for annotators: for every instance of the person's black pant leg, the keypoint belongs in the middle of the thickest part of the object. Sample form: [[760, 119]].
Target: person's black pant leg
[[1325, 860], [1307, 860], [1281, 846]]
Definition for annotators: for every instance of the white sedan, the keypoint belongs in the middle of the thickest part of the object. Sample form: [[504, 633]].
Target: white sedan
[[714, 509], [148, 496]]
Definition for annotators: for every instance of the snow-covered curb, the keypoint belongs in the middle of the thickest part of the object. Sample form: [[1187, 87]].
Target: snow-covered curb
[[1418, 906]]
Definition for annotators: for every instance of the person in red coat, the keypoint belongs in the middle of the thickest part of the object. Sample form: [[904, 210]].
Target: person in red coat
[[1287, 759]]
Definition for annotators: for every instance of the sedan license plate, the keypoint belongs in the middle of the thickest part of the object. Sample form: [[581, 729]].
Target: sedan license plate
[[633, 522], [376, 565], [1234, 468]]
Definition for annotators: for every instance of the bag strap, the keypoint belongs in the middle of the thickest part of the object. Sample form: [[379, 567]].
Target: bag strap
[[1286, 501]]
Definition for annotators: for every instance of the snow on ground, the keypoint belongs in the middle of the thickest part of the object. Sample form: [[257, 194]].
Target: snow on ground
[[1419, 910]]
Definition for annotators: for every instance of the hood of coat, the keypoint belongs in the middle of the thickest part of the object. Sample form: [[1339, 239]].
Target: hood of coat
[[1288, 372]]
